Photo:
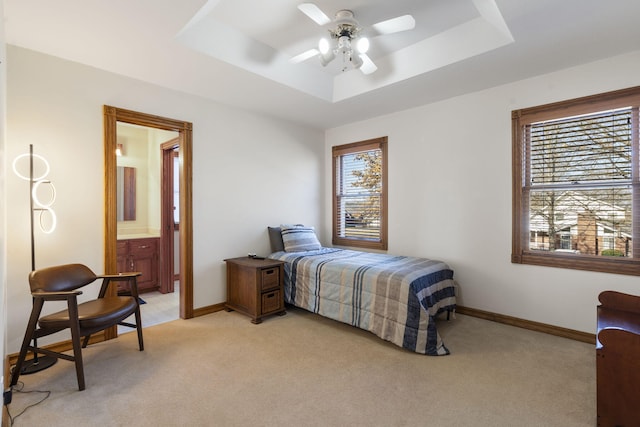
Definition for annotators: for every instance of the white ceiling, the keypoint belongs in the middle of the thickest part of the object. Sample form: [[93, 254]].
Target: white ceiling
[[237, 51], [237, 32]]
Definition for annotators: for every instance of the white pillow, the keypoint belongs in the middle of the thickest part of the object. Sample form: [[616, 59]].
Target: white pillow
[[299, 239]]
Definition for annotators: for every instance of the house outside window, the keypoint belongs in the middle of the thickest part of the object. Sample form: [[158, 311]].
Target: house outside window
[[576, 184], [360, 194], [565, 241], [609, 241]]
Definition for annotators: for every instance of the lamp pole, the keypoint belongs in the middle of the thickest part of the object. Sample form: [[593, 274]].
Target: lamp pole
[[36, 364], [33, 239]]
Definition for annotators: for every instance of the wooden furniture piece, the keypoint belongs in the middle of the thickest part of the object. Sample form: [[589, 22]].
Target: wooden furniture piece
[[140, 255], [62, 283], [254, 287], [618, 359]]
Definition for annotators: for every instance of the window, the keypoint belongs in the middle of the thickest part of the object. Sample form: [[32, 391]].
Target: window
[[360, 194], [576, 184]]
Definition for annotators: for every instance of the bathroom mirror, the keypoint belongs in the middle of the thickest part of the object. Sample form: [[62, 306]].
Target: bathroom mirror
[[126, 193]]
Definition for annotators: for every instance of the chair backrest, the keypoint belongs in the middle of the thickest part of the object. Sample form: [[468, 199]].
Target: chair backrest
[[61, 278], [615, 300]]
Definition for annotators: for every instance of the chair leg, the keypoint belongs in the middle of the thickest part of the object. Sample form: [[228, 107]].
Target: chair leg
[[133, 286], [75, 339], [139, 327], [28, 336]]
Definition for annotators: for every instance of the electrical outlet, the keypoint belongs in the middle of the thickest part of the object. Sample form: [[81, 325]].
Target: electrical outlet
[[7, 396]]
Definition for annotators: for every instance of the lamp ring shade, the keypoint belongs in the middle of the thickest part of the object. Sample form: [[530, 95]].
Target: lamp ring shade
[[34, 193], [35, 156], [53, 221]]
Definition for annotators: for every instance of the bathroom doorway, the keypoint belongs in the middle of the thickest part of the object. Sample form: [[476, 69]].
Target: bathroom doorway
[[113, 116]]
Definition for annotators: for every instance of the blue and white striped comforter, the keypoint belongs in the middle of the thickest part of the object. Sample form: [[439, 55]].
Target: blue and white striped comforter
[[395, 297]]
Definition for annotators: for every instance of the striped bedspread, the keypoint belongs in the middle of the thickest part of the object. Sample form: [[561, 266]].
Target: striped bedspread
[[395, 297]]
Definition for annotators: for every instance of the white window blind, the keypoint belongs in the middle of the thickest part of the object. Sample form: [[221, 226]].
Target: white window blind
[[578, 178], [359, 194], [584, 149]]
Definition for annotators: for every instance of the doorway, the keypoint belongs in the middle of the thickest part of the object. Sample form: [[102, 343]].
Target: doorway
[[112, 116], [170, 212]]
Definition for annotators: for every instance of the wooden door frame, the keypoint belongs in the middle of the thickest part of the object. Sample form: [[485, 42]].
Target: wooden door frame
[[168, 152], [112, 115]]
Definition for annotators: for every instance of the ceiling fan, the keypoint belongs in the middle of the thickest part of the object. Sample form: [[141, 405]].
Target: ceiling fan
[[345, 39]]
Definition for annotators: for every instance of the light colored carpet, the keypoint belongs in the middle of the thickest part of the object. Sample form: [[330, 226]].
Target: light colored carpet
[[304, 370]]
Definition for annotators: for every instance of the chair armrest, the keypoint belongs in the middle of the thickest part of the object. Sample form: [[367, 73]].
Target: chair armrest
[[130, 277], [55, 296], [120, 276]]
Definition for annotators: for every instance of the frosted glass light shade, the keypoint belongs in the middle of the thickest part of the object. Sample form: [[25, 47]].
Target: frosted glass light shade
[[324, 46], [363, 45]]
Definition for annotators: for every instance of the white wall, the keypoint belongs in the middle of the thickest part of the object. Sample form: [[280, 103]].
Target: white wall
[[249, 172], [450, 193]]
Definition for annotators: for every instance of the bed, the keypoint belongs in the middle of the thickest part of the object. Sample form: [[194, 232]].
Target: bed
[[395, 297]]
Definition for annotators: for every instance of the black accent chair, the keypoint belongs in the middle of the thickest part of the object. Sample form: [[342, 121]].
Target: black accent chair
[[61, 283]]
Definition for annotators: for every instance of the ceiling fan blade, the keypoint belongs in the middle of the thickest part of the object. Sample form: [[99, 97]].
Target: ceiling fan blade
[[304, 56], [393, 25], [367, 66], [314, 12]]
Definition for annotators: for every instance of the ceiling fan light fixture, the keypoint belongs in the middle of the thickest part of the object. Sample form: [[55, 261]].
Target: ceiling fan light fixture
[[344, 44], [363, 45], [324, 46], [345, 41]]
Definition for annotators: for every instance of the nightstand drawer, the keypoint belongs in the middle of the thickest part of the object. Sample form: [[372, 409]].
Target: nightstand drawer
[[270, 278], [271, 301]]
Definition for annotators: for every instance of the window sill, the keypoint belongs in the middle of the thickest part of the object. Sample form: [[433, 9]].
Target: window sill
[[616, 265], [361, 244]]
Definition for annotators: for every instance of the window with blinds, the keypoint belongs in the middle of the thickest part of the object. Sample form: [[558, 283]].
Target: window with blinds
[[359, 194], [576, 201], [580, 183]]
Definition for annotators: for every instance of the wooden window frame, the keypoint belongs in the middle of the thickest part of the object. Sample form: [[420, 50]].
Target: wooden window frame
[[356, 147], [521, 254]]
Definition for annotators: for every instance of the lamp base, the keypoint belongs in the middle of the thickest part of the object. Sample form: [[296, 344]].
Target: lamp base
[[31, 366]]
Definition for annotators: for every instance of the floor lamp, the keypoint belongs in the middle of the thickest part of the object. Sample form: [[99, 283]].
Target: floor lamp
[[38, 363]]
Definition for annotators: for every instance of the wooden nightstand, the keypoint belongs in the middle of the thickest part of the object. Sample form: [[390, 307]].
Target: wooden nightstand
[[254, 287]]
